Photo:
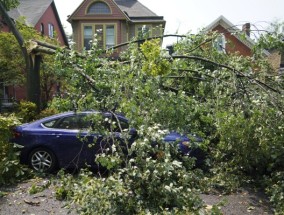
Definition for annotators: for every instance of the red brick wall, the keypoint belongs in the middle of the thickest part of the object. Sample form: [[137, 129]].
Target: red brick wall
[[49, 17], [17, 92], [233, 44]]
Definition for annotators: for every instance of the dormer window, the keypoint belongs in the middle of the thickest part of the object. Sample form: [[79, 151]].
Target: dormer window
[[99, 8]]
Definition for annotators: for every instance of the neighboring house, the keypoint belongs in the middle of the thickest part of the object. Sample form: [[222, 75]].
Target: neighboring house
[[276, 59], [277, 54], [230, 41], [113, 22], [43, 16]]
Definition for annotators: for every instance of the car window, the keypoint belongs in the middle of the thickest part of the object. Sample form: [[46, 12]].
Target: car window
[[68, 123], [73, 122], [87, 121], [113, 125], [49, 124]]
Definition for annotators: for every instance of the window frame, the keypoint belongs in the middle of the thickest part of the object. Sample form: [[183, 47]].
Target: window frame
[[51, 30], [83, 37], [221, 48], [100, 13], [76, 118], [93, 25]]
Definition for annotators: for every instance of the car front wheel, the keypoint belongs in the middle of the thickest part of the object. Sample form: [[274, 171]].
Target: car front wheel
[[42, 160]]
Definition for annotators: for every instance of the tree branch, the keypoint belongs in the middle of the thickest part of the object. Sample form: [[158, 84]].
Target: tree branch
[[239, 73]]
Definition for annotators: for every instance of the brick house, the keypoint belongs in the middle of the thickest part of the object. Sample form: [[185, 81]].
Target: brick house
[[113, 22], [228, 42], [232, 43], [41, 15]]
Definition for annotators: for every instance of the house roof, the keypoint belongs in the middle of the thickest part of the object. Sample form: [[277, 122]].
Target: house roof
[[33, 10], [133, 11], [30, 9], [134, 8]]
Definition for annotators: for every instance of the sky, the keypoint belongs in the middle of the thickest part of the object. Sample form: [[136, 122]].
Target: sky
[[184, 16]]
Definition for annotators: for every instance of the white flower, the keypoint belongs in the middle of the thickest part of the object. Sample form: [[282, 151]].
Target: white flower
[[168, 188], [177, 163]]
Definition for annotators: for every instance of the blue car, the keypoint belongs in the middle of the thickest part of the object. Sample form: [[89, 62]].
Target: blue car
[[64, 140]]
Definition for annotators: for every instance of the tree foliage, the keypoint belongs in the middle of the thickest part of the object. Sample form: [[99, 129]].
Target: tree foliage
[[234, 103], [12, 64], [10, 168], [9, 4]]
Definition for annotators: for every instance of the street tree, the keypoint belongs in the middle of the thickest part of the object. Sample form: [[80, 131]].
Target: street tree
[[235, 103]]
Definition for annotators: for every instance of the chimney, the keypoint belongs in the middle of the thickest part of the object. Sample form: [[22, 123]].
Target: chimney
[[246, 29]]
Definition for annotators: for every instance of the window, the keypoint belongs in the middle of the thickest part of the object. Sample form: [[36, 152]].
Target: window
[[71, 122], [143, 32], [110, 37], [99, 8], [220, 43], [49, 124], [112, 125], [50, 30], [88, 36], [42, 29], [99, 31], [104, 33]]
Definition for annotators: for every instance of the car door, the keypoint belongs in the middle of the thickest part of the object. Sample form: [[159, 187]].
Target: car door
[[71, 141]]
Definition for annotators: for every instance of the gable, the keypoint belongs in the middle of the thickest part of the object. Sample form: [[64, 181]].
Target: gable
[[37, 13], [222, 23], [30, 9], [131, 10], [233, 44], [81, 12]]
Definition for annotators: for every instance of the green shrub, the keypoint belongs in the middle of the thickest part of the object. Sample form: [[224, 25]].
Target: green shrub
[[61, 104], [47, 112], [251, 150], [10, 168], [27, 111], [252, 145], [275, 189]]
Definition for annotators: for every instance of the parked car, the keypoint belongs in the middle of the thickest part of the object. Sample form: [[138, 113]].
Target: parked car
[[63, 140]]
